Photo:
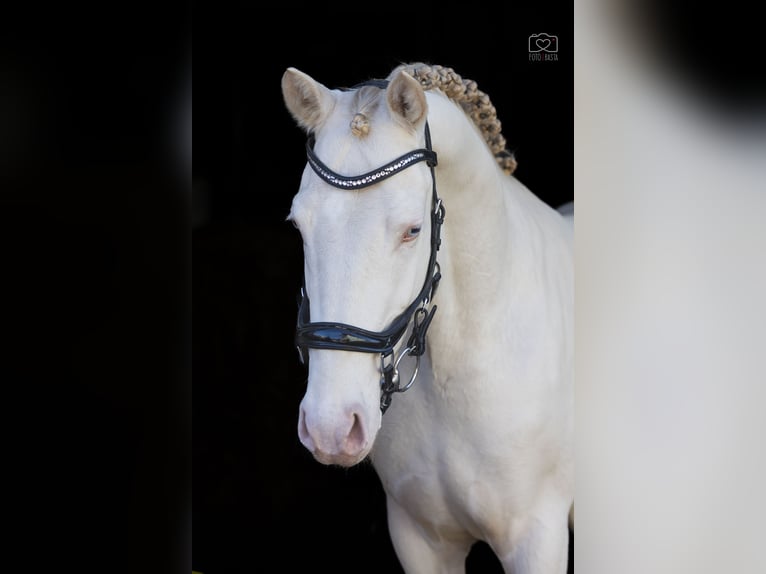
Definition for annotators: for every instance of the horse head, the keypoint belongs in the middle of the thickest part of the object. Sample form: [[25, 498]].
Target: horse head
[[366, 224]]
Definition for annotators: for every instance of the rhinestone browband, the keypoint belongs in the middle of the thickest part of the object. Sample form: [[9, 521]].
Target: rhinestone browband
[[369, 178]]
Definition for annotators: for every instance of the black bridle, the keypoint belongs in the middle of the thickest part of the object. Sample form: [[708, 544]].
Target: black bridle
[[344, 337]]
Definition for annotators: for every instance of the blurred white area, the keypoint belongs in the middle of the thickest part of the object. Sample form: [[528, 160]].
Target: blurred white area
[[671, 318]]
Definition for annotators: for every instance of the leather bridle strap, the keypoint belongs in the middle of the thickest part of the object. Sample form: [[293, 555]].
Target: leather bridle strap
[[371, 177]]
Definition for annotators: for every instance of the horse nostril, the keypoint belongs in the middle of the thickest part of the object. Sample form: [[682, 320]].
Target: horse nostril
[[355, 438]]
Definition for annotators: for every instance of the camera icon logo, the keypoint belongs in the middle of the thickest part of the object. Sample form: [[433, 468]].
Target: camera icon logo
[[543, 42]]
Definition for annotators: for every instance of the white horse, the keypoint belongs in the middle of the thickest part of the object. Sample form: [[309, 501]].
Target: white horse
[[481, 446]]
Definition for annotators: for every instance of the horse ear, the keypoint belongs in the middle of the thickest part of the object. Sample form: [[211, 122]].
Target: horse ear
[[406, 98], [308, 101]]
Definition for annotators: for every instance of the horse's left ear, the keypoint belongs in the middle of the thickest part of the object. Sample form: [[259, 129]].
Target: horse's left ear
[[406, 98]]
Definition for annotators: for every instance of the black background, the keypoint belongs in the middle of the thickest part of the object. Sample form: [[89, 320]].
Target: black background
[[259, 497], [95, 271]]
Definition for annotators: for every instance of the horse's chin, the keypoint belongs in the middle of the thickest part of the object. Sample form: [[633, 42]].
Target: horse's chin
[[340, 459]]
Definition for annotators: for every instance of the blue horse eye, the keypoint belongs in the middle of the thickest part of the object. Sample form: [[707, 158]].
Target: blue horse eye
[[413, 231]]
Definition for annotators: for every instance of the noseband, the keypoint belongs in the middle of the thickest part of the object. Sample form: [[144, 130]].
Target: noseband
[[344, 337]]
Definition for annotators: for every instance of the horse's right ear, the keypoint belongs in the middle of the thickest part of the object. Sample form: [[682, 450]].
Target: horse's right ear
[[308, 101]]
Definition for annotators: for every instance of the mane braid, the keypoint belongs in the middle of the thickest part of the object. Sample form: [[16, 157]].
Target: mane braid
[[475, 103]]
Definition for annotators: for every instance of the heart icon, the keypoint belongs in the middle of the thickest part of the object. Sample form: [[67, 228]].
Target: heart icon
[[543, 43]]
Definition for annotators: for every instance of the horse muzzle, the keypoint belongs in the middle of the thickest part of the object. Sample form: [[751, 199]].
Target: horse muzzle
[[343, 440]]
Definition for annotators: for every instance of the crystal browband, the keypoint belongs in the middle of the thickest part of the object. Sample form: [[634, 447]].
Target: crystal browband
[[369, 178]]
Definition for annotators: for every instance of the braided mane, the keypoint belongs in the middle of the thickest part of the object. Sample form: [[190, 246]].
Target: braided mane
[[475, 103]]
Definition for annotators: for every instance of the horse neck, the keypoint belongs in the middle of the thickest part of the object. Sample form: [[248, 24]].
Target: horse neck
[[491, 227]]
